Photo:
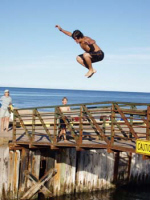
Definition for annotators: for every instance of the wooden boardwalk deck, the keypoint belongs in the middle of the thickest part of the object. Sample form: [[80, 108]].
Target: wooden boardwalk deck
[[89, 140]]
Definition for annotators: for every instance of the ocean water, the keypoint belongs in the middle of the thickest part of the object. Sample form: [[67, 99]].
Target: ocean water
[[34, 97]]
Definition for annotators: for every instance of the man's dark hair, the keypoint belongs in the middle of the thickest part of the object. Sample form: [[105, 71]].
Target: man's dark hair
[[77, 34]]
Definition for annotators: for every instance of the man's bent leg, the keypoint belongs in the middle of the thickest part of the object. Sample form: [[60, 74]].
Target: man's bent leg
[[87, 58], [81, 60]]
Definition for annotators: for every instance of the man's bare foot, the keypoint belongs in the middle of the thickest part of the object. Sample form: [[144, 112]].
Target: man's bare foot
[[94, 71], [91, 73], [87, 73]]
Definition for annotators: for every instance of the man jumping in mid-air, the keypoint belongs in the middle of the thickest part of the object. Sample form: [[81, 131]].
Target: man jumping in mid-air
[[92, 52]]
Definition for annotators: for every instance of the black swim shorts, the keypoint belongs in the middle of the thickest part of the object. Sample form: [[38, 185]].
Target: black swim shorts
[[95, 56], [62, 124]]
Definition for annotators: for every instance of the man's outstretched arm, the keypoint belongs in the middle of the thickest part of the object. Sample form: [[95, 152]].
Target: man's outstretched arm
[[62, 30]]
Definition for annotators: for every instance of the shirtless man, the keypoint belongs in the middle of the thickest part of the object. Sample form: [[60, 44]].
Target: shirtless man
[[92, 54]]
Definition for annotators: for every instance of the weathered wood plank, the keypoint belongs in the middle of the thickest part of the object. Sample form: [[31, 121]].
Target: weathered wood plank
[[94, 170], [5, 168], [123, 166], [10, 172], [57, 176], [35, 188], [140, 169], [63, 172], [4, 156], [30, 163], [1, 168], [71, 160], [34, 181], [23, 167], [16, 173], [66, 165], [50, 164], [36, 165]]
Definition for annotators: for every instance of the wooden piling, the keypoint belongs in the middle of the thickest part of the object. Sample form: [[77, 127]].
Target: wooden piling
[[23, 167], [16, 173], [95, 170], [4, 151], [81, 171], [65, 164], [140, 170]]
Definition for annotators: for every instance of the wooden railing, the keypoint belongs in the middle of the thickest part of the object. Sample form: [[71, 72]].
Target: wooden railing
[[111, 125]]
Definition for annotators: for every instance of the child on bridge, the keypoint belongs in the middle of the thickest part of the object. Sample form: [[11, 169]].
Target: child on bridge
[[65, 109]]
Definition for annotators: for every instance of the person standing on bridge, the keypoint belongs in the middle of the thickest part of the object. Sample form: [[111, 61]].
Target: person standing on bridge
[[63, 109], [4, 114], [92, 54]]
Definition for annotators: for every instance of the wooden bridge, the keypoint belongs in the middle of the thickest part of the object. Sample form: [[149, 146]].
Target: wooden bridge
[[103, 125], [106, 131]]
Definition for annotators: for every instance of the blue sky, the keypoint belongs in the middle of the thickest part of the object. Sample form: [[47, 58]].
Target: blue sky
[[34, 53]]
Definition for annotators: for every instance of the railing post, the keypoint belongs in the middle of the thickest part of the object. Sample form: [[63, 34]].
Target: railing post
[[131, 120], [104, 124], [14, 126], [112, 124], [148, 124], [33, 125], [81, 126], [55, 126]]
